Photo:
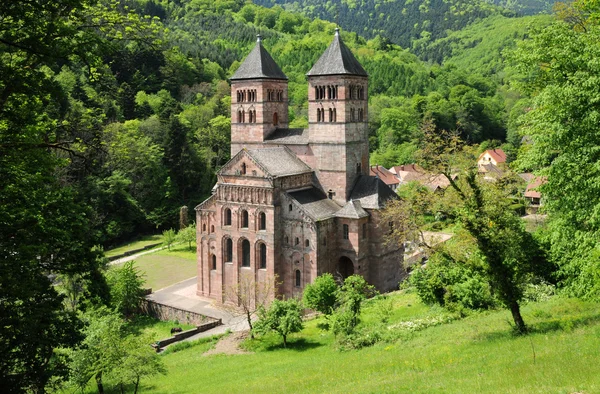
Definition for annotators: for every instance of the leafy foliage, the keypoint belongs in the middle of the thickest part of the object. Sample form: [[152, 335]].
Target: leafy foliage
[[562, 70], [126, 289], [349, 300], [282, 316], [321, 294], [187, 235]]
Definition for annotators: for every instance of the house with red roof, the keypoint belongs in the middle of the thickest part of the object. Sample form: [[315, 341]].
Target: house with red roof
[[385, 175], [533, 195], [496, 157]]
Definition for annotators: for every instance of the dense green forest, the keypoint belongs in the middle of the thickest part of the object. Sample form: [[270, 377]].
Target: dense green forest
[[115, 114], [415, 25], [151, 118]]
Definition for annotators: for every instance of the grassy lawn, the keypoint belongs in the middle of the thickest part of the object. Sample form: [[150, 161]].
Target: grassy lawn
[[165, 268], [156, 328], [478, 354], [144, 241]]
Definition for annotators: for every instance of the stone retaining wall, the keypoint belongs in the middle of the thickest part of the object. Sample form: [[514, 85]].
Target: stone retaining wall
[[186, 334], [169, 313]]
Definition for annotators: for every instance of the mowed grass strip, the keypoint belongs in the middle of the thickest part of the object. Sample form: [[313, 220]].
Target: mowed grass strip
[[165, 268], [142, 242], [478, 354]]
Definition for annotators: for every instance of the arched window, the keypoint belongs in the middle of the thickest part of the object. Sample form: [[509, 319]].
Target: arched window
[[307, 243], [287, 240], [328, 92], [275, 119], [227, 217], [250, 119], [240, 115], [245, 253], [262, 221], [228, 252], [298, 278], [214, 261], [330, 115], [318, 115], [254, 116], [244, 219], [243, 168], [346, 232], [212, 229], [316, 92], [263, 256], [204, 227], [297, 241], [334, 115], [290, 207]]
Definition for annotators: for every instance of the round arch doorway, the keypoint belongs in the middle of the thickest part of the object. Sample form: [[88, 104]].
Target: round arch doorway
[[345, 267]]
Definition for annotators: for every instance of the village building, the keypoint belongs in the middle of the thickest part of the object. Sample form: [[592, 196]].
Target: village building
[[385, 175], [496, 157], [293, 204]]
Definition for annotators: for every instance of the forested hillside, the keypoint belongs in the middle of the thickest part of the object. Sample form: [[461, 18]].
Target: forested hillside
[[148, 124], [410, 24], [115, 114]]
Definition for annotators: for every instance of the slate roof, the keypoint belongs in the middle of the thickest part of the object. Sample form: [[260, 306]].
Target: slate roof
[[352, 210], [279, 161], [258, 64], [372, 192], [490, 169], [337, 60], [288, 136], [315, 203], [384, 175]]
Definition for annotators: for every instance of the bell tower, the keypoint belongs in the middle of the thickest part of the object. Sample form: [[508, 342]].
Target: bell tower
[[337, 117], [259, 99]]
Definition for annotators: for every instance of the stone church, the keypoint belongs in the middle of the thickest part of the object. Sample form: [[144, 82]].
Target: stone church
[[296, 203]]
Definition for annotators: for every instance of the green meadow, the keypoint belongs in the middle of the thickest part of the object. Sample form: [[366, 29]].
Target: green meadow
[[476, 354], [166, 267]]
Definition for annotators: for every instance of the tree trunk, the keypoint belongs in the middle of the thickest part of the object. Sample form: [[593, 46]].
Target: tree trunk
[[284, 340], [99, 383], [249, 317], [137, 384], [516, 314]]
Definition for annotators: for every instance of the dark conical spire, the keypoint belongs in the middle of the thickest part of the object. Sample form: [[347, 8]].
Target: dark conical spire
[[337, 60], [258, 64]]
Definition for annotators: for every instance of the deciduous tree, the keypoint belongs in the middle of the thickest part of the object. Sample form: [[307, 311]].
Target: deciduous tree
[[282, 316]]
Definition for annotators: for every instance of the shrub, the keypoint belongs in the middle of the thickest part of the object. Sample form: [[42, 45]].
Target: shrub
[[321, 294], [283, 317], [455, 286]]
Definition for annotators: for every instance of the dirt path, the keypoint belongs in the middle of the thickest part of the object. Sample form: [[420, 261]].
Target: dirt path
[[229, 344]]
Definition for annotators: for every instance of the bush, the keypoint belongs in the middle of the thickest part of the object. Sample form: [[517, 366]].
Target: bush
[[126, 288], [321, 294], [455, 286], [283, 317], [537, 292]]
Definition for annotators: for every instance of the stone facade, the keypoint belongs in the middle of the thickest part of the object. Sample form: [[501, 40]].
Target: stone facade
[[294, 204]]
